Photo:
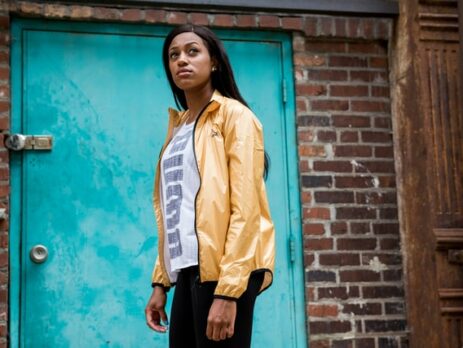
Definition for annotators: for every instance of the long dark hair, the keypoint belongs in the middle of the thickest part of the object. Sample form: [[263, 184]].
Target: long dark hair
[[223, 78]]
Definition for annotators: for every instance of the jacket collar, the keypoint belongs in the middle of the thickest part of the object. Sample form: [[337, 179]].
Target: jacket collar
[[216, 100]]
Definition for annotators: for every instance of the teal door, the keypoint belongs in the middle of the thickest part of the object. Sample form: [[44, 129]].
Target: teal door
[[100, 92]]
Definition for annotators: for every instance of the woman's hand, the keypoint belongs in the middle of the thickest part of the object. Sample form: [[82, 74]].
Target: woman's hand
[[221, 320], [155, 310]]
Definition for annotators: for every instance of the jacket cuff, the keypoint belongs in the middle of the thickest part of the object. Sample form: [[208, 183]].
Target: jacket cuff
[[228, 298], [165, 288]]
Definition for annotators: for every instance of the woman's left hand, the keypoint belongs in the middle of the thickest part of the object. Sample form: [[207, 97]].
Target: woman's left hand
[[221, 320]]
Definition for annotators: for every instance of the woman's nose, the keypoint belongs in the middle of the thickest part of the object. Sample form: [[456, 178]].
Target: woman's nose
[[182, 59]]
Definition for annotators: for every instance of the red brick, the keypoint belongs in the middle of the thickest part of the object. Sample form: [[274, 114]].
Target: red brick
[[4, 173], [4, 107], [4, 259], [4, 21], [329, 105], [374, 167], [327, 75], [326, 26], [382, 291], [310, 90], [305, 135], [339, 259], [355, 213], [349, 137], [383, 29], [356, 244], [384, 151], [367, 48], [338, 228], [159, 16], [310, 181], [360, 227], [370, 106], [348, 91], [386, 228], [4, 57], [30, 8], [315, 121], [368, 76], [176, 18], [376, 197], [107, 13], [392, 275], [323, 310], [329, 327], [309, 259], [4, 92], [246, 21], [318, 244], [292, 23], [310, 27], [383, 122], [314, 229], [57, 11], [389, 244], [353, 151], [334, 197], [388, 214], [269, 22], [362, 309], [317, 213], [303, 166], [359, 275], [325, 47], [368, 28], [326, 136], [301, 105], [340, 27], [310, 292], [4, 73], [378, 62], [354, 29], [312, 150], [81, 12], [348, 61], [306, 197], [4, 190], [333, 166], [340, 292], [354, 182], [351, 121], [222, 20], [318, 344], [308, 60], [132, 15]]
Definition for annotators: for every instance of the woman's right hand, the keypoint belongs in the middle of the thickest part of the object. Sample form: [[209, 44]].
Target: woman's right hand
[[155, 310]]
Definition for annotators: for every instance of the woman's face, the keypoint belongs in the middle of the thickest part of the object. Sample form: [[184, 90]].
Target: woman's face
[[190, 63]]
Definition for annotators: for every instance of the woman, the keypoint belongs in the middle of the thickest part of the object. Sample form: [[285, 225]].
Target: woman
[[216, 236]]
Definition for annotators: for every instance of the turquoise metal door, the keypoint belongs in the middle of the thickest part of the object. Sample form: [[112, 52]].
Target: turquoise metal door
[[100, 91]]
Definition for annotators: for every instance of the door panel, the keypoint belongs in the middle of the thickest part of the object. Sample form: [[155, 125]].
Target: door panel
[[100, 91]]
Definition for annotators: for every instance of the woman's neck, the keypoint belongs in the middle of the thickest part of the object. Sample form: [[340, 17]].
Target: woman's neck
[[197, 100]]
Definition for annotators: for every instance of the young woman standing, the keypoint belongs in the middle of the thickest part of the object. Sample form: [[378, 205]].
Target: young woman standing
[[216, 236]]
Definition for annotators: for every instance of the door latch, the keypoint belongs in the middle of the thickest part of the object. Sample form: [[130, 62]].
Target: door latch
[[19, 142]]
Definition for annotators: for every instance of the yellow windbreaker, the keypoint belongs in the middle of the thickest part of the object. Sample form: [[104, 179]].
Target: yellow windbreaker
[[235, 231]]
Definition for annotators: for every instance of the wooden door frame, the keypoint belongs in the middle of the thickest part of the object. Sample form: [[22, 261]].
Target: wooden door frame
[[414, 181], [294, 224]]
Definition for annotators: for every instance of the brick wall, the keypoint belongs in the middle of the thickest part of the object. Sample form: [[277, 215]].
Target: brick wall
[[351, 236]]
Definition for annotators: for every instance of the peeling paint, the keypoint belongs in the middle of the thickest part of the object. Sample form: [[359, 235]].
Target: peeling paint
[[377, 265]]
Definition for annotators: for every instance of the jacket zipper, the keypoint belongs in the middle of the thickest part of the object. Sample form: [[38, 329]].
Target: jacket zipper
[[200, 181]]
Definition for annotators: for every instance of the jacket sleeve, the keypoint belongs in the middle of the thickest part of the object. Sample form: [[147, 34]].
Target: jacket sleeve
[[157, 278], [244, 149]]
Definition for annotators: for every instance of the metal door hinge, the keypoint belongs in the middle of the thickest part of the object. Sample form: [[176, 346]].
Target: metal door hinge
[[18, 142], [292, 249], [284, 91]]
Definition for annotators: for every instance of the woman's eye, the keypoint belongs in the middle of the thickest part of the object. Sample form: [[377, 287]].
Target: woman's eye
[[193, 50], [173, 55]]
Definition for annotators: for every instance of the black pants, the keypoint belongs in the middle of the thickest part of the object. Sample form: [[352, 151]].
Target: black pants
[[190, 309]]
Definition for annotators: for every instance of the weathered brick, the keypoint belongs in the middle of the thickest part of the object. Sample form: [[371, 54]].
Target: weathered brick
[[348, 91], [352, 151], [308, 60], [318, 243], [310, 90], [329, 327], [317, 213], [395, 308], [384, 325], [326, 46], [325, 136], [329, 105], [342, 343], [326, 27], [317, 181], [362, 309], [321, 276], [176, 18], [292, 23], [334, 197], [327, 75], [312, 150], [356, 121], [323, 310], [356, 244], [369, 106], [269, 21], [110, 13], [222, 20], [132, 15], [383, 291], [375, 197], [378, 62], [368, 76], [359, 275], [386, 228], [387, 259], [332, 166], [389, 244], [349, 137], [339, 228], [384, 151], [314, 229], [310, 121], [354, 181], [347, 61], [376, 137], [360, 227], [246, 21], [383, 122], [374, 167], [310, 26], [305, 135], [159, 16], [339, 259], [339, 292]]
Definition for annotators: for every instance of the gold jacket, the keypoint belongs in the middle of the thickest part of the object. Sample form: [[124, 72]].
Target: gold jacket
[[235, 232]]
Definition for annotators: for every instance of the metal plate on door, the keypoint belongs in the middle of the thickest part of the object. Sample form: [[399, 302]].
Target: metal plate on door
[[18, 142]]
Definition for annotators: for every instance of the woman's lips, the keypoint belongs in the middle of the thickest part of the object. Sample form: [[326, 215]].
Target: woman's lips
[[184, 73]]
